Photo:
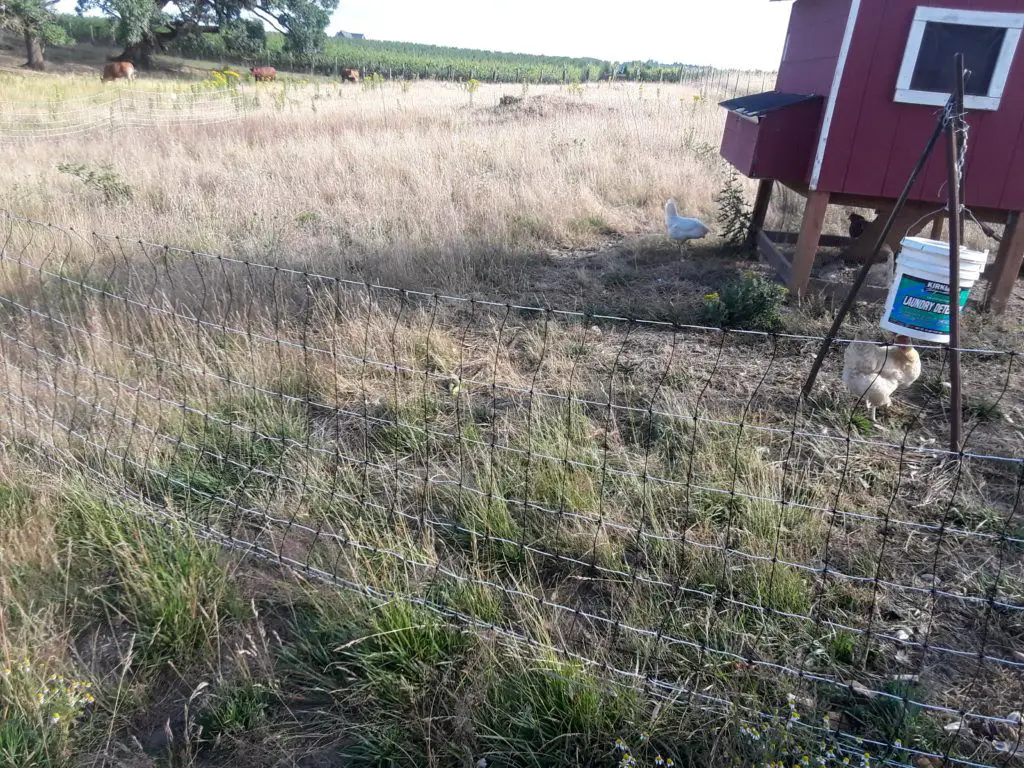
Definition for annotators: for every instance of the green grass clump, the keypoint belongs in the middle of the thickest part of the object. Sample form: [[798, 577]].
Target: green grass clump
[[233, 459], [234, 710], [554, 713], [982, 409], [166, 584], [414, 689], [478, 601], [15, 501]]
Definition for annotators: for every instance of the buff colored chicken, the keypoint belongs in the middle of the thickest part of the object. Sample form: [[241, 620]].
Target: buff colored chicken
[[872, 372]]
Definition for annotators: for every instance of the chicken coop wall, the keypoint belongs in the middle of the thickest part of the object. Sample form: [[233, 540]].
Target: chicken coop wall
[[813, 44], [871, 141]]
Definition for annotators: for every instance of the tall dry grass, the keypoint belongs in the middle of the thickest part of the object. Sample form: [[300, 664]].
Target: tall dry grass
[[413, 184]]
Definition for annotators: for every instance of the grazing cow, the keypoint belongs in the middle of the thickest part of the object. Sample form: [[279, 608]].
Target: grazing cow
[[261, 74], [349, 75], [115, 70]]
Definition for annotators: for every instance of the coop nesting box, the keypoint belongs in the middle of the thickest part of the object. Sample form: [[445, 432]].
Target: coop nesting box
[[857, 95]]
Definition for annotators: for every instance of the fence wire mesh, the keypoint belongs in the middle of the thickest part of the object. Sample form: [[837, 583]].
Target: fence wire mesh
[[149, 104], [649, 499], [120, 107]]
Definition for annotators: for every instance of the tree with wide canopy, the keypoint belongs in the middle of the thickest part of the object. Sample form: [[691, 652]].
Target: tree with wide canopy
[[146, 27]]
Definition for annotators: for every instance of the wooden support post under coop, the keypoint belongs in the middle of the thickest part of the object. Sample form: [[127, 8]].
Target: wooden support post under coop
[[1009, 259], [761, 202], [807, 242]]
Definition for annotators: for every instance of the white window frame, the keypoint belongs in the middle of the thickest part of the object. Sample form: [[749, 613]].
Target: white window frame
[[1013, 23]]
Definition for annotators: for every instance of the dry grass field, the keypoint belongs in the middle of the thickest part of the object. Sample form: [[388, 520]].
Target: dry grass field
[[416, 186], [317, 486]]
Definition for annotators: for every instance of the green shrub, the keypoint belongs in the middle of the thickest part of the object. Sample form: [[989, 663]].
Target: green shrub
[[37, 713], [752, 303], [472, 86], [733, 215], [103, 179], [372, 81]]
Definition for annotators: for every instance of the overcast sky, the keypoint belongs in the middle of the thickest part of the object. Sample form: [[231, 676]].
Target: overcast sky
[[727, 33], [734, 33]]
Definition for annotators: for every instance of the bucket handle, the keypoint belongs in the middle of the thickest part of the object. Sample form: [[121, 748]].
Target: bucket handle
[[927, 216]]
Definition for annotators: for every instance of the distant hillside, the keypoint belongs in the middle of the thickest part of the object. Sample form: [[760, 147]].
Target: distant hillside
[[410, 60]]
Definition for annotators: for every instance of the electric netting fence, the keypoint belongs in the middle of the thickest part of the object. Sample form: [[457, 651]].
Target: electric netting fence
[[118, 108], [122, 106], [651, 500]]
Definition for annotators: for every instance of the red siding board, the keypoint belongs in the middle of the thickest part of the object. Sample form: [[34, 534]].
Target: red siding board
[[1012, 198], [932, 186], [816, 30], [868, 141], [815, 37], [847, 113], [805, 76], [914, 125]]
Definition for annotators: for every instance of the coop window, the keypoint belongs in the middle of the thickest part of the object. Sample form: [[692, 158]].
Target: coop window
[[987, 40]]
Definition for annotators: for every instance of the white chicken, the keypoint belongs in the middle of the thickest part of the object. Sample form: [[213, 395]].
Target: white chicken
[[872, 372], [680, 228]]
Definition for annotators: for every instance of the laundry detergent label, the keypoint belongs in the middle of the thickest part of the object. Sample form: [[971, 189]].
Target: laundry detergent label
[[923, 305]]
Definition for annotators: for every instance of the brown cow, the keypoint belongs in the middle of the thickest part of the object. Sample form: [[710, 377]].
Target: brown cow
[[349, 75], [115, 70], [261, 74]]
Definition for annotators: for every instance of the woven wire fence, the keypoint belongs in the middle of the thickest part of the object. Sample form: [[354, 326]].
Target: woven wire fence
[[651, 500]]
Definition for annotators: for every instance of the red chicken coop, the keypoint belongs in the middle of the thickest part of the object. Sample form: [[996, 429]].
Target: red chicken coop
[[858, 93]]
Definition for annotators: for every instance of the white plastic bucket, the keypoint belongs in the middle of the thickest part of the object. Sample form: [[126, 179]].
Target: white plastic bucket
[[918, 302]]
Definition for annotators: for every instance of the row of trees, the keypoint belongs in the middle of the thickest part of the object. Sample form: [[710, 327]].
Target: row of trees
[[393, 60], [236, 31], [146, 27], [246, 41]]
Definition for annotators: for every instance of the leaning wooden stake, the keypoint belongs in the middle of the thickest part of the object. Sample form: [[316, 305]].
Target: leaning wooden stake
[[851, 297], [954, 132]]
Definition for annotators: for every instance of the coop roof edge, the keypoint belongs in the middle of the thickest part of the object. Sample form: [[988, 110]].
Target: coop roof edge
[[759, 104]]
